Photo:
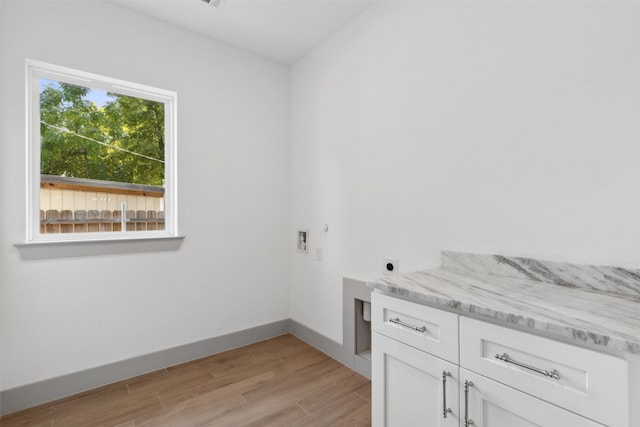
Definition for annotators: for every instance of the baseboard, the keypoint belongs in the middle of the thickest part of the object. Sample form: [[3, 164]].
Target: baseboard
[[30, 395], [345, 353], [337, 351], [324, 344]]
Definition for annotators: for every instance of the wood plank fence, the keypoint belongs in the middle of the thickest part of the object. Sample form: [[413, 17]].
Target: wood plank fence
[[82, 221], [73, 205]]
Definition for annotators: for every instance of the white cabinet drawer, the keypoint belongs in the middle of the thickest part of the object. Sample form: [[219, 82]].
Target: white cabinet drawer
[[428, 329], [583, 381]]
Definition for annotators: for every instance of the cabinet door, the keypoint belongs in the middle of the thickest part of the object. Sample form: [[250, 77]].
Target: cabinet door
[[491, 404], [409, 388]]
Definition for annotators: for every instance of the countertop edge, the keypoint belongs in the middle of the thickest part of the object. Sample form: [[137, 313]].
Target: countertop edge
[[558, 331]]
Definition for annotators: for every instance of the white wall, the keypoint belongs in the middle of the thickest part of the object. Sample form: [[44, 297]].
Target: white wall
[[489, 127], [485, 127], [63, 315]]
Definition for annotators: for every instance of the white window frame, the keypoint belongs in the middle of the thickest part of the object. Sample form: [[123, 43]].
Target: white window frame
[[36, 70]]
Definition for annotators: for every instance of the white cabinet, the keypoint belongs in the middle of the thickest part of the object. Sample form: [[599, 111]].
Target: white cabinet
[[412, 388], [583, 381], [487, 403], [513, 379]]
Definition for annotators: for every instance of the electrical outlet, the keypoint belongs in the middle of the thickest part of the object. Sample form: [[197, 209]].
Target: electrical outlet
[[319, 254], [390, 266]]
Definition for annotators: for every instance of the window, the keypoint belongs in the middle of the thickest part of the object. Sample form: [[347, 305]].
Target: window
[[101, 157]]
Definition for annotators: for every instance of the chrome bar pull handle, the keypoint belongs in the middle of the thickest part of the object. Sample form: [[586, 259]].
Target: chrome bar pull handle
[[445, 410], [397, 321], [467, 421], [551, 374]]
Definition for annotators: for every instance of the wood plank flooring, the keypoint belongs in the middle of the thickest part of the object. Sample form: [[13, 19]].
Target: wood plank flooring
[[278, 382]]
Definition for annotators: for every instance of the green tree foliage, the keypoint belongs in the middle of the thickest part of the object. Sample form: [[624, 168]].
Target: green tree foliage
[[121, 141]]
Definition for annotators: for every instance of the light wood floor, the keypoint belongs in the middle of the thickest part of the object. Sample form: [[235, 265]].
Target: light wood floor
[[279, 382]]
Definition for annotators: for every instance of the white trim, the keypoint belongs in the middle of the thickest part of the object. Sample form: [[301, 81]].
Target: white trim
[[34, 71], [97, 81], [99, 236]]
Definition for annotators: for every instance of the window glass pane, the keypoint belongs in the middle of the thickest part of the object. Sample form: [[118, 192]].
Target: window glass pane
[[102, 158]]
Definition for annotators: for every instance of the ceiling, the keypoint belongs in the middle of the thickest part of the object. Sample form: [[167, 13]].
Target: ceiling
[[282, 30]]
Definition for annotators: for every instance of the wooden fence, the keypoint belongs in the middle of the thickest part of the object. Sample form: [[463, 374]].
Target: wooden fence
[[72, 205], [81, 221]]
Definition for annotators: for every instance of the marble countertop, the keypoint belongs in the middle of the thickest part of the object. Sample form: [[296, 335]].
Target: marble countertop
[[569, 313]]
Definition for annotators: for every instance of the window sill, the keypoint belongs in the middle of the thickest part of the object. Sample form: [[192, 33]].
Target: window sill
[[81, 248]]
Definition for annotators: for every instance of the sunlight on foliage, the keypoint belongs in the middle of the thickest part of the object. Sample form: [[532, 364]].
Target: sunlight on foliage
[[122, 141]]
